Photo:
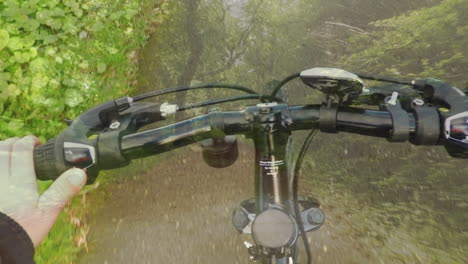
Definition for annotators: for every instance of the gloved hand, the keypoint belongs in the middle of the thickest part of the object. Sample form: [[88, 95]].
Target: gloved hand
[[19, 196], [453, 109]]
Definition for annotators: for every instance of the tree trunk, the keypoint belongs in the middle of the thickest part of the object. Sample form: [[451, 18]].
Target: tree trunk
[[195, 45]]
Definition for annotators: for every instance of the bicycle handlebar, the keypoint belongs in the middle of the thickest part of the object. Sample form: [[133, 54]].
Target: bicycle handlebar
[[113, 149], [159, 140], [107, 137]]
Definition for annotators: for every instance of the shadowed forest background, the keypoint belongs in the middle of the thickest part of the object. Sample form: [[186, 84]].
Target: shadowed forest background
[[397, 188], [398, 203]]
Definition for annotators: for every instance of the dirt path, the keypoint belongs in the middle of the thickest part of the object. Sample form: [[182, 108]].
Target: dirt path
[[180, 212]]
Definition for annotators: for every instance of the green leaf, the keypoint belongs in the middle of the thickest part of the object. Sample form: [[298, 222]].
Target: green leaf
[[50, 39], [98, 26], [13, 29], [15, 43], [54, 23], [52, 3], [54, 105], [70, 27], [117, 15], [13, 91], [73, 97], [70, 83], [28, 41], [50, 51], [70, 3], [57, 12], [84, 65], [21, 57], [130, 13], [54, 84], [33, 52], [58, 59], [31, 24], [38, 65], [15, 125], [4, 38], [112, 50], [30, 6], [17, 73], [101, 67], [43, 15], [11, 11], [5, 76], [3, 65], [12, 3], [78, 12], [39, 81]]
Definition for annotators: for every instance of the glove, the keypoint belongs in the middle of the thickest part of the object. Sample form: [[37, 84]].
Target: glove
[[19, 195], [453, 109]]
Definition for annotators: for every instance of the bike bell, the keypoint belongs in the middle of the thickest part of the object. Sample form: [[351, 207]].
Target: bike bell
[[220, 152]]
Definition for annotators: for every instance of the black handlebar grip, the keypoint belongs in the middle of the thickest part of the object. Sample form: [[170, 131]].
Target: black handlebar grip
[[45, 161]]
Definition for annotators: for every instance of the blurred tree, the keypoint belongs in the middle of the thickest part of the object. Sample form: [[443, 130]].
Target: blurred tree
[[430, 42]]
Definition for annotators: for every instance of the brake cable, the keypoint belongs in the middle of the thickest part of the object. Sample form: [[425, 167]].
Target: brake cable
[[362, 76], [297, 212], [229, 99], [283, 82], [186, 88], [381, 79]]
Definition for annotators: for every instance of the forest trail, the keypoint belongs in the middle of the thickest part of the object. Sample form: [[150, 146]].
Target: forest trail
[[180, 212]]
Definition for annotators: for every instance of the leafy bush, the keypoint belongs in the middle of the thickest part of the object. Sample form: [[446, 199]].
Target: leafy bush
[[58, 57]]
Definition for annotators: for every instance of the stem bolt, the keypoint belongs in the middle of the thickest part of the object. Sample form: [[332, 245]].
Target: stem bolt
[[316, 216]]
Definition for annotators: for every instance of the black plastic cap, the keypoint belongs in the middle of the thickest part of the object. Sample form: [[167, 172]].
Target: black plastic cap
[[220, 153]]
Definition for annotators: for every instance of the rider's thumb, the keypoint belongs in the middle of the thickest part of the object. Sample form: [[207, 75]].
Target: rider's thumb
[[62, 190]]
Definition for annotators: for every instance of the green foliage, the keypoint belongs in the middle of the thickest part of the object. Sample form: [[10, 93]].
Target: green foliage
[[58, 58], [429, 42]]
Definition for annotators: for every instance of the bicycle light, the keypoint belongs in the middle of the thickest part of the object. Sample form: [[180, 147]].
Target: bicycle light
[[274, 229], [220, 152], [333, 82]]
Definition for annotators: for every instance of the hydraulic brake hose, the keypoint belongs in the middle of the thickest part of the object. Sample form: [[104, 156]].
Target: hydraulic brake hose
[[295, 187], [195, 87], [381, 79], [283, 82]]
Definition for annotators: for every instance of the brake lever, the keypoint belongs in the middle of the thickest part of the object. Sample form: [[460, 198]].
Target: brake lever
[[138, 115], [141, 114], [92, 140]]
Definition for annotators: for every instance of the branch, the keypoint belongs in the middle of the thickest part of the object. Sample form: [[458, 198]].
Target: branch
[[351, 28], [233, 55]]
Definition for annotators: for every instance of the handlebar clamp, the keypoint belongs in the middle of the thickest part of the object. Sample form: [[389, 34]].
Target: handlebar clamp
[[427, 126], [327, 119], [401, 128]]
